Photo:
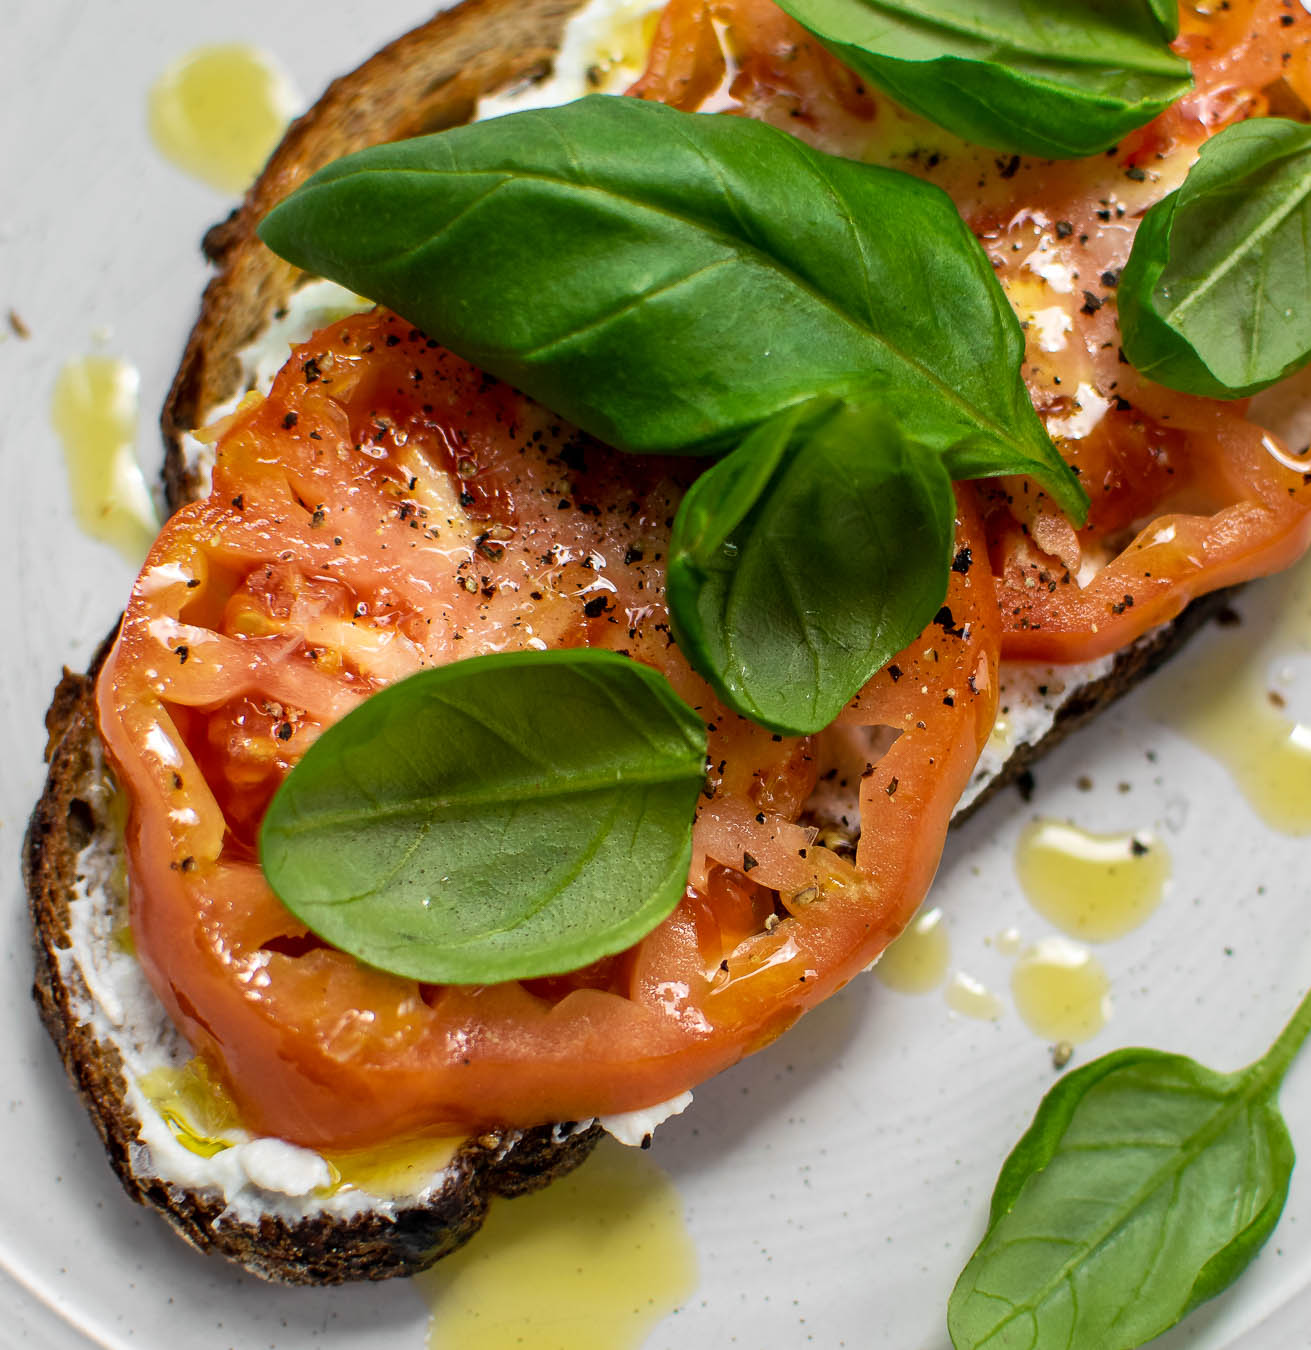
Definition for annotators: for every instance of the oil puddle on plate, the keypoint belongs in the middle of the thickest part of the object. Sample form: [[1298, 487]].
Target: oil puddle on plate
[[916, 962], [592, 1262], [94, 412], [217, 112], [1231, 695], [1094, 887], [1061, 990]]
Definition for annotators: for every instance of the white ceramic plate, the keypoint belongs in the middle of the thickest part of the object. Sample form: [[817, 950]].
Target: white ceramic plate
[[835, 1184]]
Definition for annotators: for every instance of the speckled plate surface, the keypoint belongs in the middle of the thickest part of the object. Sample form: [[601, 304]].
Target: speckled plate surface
[[834, 1185]]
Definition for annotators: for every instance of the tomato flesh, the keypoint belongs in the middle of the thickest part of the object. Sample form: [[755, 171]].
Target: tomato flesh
[[389, 507]]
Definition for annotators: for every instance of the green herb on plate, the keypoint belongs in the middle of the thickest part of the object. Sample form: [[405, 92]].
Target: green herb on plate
[[668, 281], [1145, 1185], [1213, 300], [801, 563], [1057, 78], [503, 817]]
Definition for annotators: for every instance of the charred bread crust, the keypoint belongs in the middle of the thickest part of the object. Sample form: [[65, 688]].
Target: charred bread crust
[[429, 79], [316, 1250]]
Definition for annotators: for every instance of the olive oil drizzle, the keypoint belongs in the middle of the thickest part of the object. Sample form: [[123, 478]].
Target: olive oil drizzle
[[218, 112], [592, 1262]]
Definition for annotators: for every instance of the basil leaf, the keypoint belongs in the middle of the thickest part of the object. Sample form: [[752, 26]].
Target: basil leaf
[[667, 281], [806, 559], [1166, 13], [1145, 1185], [503, 817], [1058, 78], [1213, 298]]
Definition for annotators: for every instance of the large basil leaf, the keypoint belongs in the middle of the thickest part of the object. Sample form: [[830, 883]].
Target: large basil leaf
[[806, 559], [1058, 78], [668, 281], [503, 817], [1145, 1185], [1213, 300]]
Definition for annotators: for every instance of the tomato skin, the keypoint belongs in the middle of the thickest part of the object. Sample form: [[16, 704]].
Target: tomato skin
[[341, 548]]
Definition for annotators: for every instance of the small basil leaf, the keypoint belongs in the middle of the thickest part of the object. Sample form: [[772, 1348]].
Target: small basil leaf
[[503, 817], [806, 559], [1213, 298], [668, 281], [1058, 78], [1145, 1185]]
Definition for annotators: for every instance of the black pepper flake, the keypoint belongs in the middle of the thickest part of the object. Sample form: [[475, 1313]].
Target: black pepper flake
[[595, 608], [894, 673], [193, 583], [748, 862], [1137, 173], [760, 817], [949, 702], [1064, 229], [316, 518], [1138, 848], [947, 622], [284, 732], [1091, 303], [1008, 168], [182, 653], [891, 788], [1111, 279], [963, 561], [632, 555], [312, 371], [467, 499], [239, 503], [290, 421]]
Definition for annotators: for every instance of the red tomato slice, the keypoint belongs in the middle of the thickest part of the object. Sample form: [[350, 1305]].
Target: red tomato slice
[[388, 507]]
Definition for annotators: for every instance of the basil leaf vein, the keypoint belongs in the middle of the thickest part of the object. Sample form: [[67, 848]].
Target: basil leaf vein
[[502, 817], [1144, 1186], [804, 560], [1058, 78], [669, 281], [1213, 298]]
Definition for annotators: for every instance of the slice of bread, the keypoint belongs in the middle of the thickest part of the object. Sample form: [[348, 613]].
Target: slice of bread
[[276, 1210]]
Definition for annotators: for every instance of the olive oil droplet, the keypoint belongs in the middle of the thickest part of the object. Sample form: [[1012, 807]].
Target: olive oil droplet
[[1091, 886], [195, 1107], [94, 411], [1061, 991], [218, 112], [917, 961], [965, 995], [592, 1262], [392, 1170], [1225, 700]]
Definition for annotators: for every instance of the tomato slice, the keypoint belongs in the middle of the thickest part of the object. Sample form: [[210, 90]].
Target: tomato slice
[[387, 507]]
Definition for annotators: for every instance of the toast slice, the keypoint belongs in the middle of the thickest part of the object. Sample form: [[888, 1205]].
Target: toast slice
[[275, 1209]]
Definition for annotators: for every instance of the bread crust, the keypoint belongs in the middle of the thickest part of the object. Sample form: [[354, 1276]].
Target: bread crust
[[428, 79]]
